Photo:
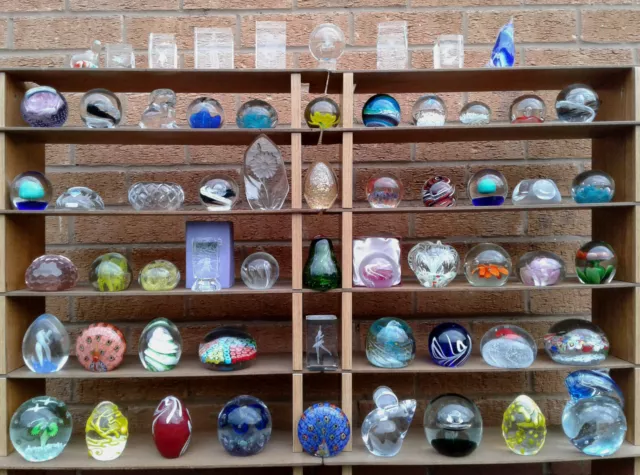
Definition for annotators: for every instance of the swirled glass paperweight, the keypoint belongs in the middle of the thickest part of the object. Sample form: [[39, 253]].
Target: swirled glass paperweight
[[100, 109], [324, 430], [487, 187], [159, 276], [51, 273], [585, 383], [540, 268], [453, 425], [43, 106], [576, 342], [101, 347], [435, 264], [438, 192], [46, 345], [30, 191], [110, 273], [577, 103], [596, 263], [381, 110], [257, 114], [80, 198], [376, 262], [156, 196], [219, 193], [593, 186], [171, 427], [429, 111], [260, 271], [384, 191], [160, 345], [449, 345], [487, 265], [508, 346], [106, 432], [205, 113], [244, 426], [524, 426], [390, 343], [227, 349], [322, 113]]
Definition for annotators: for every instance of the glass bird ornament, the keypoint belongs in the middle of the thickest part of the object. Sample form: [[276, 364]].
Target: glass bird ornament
[[101, 347]]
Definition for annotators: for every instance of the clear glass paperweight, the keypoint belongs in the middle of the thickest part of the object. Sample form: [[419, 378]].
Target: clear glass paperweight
[[244, 426], [503, 54], [257, 114], [475, 113], [321, 345], [163, 51], [158, 196], [260, 271], [218, 193], [429, 111], [227, 349], [449, 345], [120, 55], [381, 110], [576, 342], [161, 112], [390, 343], [324, 430], [508, 346], [51, 273], [172, 427], [327, 43], [435, 264], [160, 345], [100, 347], [487, 187], [46, 345], [487, 265], [527, 109], [453, 425], [540, 268], [213, 48], [593, 186], [265, 177], [100, 109], [321, 271], [320, 185], [89, 58], [271, 45], [448, 52], [536, 191], [384, 191], [376, 262], [596, 263], [577, 103], [80, 197], [524, 426], [30, 191], [439, 192], [322, 113], [43, 106], [106, 432], [392, 46], [159, 276], [205, 113], [110, 273]]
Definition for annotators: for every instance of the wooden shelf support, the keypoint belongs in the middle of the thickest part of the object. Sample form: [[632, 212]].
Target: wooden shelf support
[[298, 409]]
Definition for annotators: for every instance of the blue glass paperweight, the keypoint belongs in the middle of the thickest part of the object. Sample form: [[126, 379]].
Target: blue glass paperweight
[[390, 343], [257, 114], [487, 187], [593, 186], [244, 426], [381, 110], [324, 430], [586, 383], [449, 345], [30, 191], [205, 113], [503, 54]]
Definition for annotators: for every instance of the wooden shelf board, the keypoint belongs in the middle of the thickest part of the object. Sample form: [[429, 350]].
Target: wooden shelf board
[[186, 211], [464, 206]]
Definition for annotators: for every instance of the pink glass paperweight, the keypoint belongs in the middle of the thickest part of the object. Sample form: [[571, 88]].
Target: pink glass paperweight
[[376, 262], [51, 273]]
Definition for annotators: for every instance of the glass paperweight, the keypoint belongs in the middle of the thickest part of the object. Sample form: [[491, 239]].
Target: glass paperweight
[[101, 347], [157, 196], [487, 265], [159, 275], [260, 271], [271, 45], [41, 428], [596, 263], [171, 427], [593, 186], [320, 185], [321, 342], [100, 109], [163, 51], [120, 55], [227, 349], [453, 425], [30, 191], [392, 46], [381, 110], [576, 342], [475, 113], [89, 58], [449, 345], [51, 273], [527, 109], [257, 114], [322, 113], [265, 177], [429, 111], [376, 262], [503, 54], [384, 191], [508, 346], [324, 430], [586, 383], [536, 191], [438, 192], [205, 113], [577, 103], [448, 52], [219, 193], [540, 268], [321, 271], [161, 111], [210, 258], [390, 343], [110, 273], [487, 187], [384, 428], [326, 44], [80, 197], [160, 345], [244, 426], [106, 432], [524, 426], [46, 345], [435, 264], [213, 48], [44, 107]]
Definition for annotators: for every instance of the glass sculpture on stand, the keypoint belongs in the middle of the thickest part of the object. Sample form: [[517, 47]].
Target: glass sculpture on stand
[[271, 45], [390, 343], [161, 112], [527, 109], [508, 346], [384, 191], [321, 271], [321, 343], [80, 198], [429, 111], [453, 425], [320, 185], [385, 427], [475, 113], [101, 347], [227, 349], [596, 263], [210, 259], [435, 264], [449, 345], [205, 113], [257, 114], [160, 345], [577, 103], [171, 427], [524, 426], [593, 186], [448, 52], [163, 51], [218, 193], [106, 432], [213, 48], [392, 46], [540, 268], [100, 109], [46, 345], [40, 428], [438, 192], [265, 177], [576, 342], [51, 273], [487, 187], [89, 58], [260, 271], [327, 43], [43, 106], [324, 430], [322, 113], [536, 191], [30, 191], [156, 196], [376, 262], [159, 276], [381, 110], [244, 426], [487, 265], [110, 273], [120, 55], [503, 54]]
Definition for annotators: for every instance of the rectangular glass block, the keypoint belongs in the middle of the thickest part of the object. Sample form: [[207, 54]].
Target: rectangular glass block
[[392, 46], [209, 248], [213, 48], [271, 45], [448, 52], [120, 55], [163, 51], [322, 342]]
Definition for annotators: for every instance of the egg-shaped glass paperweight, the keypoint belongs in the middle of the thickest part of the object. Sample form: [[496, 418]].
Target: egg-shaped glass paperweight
[[205, 113], [381, 110], [540, 268], [593, 186], [44, 107], [51, 273], [508, 346], [159, 275], [390, 343], [428, 111], [384, 191], [435, 264], [326, 44], [449, 345], [524, 427], [260, 271], [576, 342], [30, 191], [46, 345], [101, 347], [320, 185], [596, 263], [219, 193], [322, 113], [487, 187], [244, 426], [257, 114], [227, 349], [171, 427], [577, 103], [527, 109], [100, 109], [160, 345], [106, 432], [453, 425], [439, 192], [487, 265], [110, 273], [80, 198], [324, 430], [475, 113]]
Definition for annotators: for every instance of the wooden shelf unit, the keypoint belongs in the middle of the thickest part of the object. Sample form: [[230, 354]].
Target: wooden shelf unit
[[616, 307]]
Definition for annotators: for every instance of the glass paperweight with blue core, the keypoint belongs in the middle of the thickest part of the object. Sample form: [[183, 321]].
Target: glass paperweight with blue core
[[30, 191], [449, 345], [257, 114], [205, 113], [453, 425], [324, 430], [593, 186], [586, 383], [390, 343], [503, 54], [46, 345], [577, 103], [487, 187], [381, 110], [244, 426], [44, 107]]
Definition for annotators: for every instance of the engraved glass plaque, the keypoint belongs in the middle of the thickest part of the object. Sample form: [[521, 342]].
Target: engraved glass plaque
[[448, 52], [120, 55], [163, 51], [322, 342], [392, 45], [213, 48], [206, 264], [271, 45]]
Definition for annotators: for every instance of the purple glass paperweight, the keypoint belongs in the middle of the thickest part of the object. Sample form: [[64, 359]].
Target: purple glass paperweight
[[210, 264], [540, 268], [44, 107], [376, 262]]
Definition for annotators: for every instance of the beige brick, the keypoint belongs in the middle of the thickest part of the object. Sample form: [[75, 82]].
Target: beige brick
[[128, 229], [423, 27], [354, 60], [22, 6], [235, 4], [549, 381], [4, 33], [610, 26], [299, 26], [462, 3], [473, 383], [469, 224], [273, 307], [531, 26], [108, 309], [452, 151], [469, 303], [559, 148], [57, 228], [48, 61], [75, 32], [552, 223], [127, 155], [126, 5], [139, 28], [577, 57], [561, 302], [57, 154], [350, 3]]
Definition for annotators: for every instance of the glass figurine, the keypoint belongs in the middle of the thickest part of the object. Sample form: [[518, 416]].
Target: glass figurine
[[527, 109], [110, 273], [487, 265], [160, 345], [453, 425], [593, 186], [321, 271], [438, 192], [120, 55], [392, 45], [265, 176], [157, 196], [475, 113], [487, 187], [385, 427], [43, 106], [376, 262], [100, 109], [46, 345], [210, 259], [89, 58], [577, 103], [326, 44], [536, 191], [320, 185], [161, 111], [205, 113], [163, 51], [586, 383], [381, 110], [508, 346], [321, 342], [213, 48], [171, 427], [257, 114], [503, 54], [101, 347], [576, 342], [540, 268], [596, 263], [435, 264], [429, 111], [244, 426], [41, 428], [51, 273], [219, 193], [324, 430], [384, 191], [322, 113], [390, 343], [227, 349], [448, 52], [80, 198], [524, 426], [30, 191], [159, 275], [106, 432], [260, 271], [271, 45], [449, 345]]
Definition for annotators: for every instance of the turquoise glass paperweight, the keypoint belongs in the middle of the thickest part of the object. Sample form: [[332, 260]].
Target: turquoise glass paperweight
[[257, 114], [390, 343], [381, 110], [30, 191]]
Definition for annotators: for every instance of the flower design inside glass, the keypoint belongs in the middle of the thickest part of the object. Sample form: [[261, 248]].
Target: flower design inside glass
[[596, 263]]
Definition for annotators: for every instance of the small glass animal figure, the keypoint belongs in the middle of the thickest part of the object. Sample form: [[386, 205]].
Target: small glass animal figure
[[577, 103], [219, 193], [171, 427], [46, 345], [429, 111], [30, 191], [101, 347], [536, 191], [384, 428], [320, 185], [475, 113], [449, 345], [487, 187], [227, 349], [161, 112], [51, 273], [435, 264], [593, 186], [324, 430], [260, 271], [390, 343], [596, 263], [576, 342], [527, 109], [79, 198], [524, 426], [244, 426], [381, 110], [160, 345], [157, 196], [107, 432], [110, 273], [321, 342], [503, 54], [100, 109], [384, 191], [438, 192], [257, 114], [487, 265], [322, 113], [265, 177], [540, 268], [508, 346], [453, 425], [40, 428], [159, 275], [43, 106], [88, 59], [205, 113], [321, 272], [326, 44]]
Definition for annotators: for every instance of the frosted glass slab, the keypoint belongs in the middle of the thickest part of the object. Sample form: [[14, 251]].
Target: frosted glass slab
[[392, 45], [271, 45], [213, 48], [163, 51], [120, 55], [448, 52]]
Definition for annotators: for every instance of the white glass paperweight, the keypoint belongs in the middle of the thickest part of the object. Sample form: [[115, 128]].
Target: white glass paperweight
[[213, 48], [322, 342], [271, 45], [163, 51], [392, 45], [326, 44], [260, 271], [120, 55], [448, 52]]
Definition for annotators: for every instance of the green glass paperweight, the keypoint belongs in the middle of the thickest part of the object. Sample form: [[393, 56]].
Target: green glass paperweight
[[321, 272], [110, 273]]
